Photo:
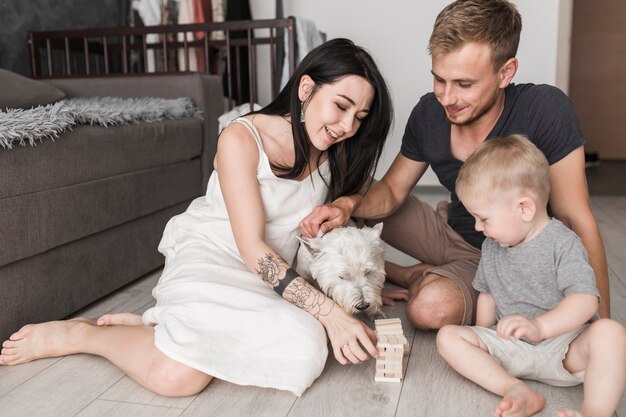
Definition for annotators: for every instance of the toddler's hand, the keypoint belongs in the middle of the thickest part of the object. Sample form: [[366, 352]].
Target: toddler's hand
[[519, 327]]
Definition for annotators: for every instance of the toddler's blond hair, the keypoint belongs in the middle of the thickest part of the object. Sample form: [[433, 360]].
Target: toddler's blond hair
[[502, 164]]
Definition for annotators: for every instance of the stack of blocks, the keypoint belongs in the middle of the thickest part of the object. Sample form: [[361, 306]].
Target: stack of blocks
[[392, 345]]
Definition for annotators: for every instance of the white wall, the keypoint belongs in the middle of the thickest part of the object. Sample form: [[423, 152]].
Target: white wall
[[396, 33]]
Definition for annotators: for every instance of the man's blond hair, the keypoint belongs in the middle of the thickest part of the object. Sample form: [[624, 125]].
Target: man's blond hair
[[503, 164], [494, 22]]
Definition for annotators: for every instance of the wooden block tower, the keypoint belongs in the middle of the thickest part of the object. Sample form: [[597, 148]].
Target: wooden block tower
[[392, 345]]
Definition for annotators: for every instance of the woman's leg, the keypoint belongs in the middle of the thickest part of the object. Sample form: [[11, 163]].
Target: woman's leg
[[131, 348], [600, 351], [467, 354], [117, 319]]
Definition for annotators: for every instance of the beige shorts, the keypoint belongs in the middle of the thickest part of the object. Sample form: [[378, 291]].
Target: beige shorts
[[423, 233], [541, 362]]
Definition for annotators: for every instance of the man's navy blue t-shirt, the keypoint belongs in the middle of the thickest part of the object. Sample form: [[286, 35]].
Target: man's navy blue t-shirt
[[542, 113]]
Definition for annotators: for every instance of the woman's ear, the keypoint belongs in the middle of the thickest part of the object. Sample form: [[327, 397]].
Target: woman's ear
[[305, 87], [508, 71]]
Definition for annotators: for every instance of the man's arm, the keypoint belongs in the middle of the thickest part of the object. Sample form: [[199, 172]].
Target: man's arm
[[569, 200], [390, 192], [382, 199]]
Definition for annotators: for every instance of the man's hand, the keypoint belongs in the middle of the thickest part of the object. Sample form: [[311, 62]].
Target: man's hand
[[327, 217]]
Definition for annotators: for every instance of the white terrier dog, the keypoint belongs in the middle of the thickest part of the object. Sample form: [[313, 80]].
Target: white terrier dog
[[348, 265]]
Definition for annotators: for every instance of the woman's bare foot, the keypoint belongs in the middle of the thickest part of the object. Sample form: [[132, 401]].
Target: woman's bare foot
[[566, 412], [43, 340], [519, 401], [405, 276], [120, 319]]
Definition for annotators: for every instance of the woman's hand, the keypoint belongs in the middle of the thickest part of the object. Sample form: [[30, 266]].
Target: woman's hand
[[351, 339], [390, 296]]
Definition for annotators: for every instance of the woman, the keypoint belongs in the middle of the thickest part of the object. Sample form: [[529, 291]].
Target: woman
[[218, 311]]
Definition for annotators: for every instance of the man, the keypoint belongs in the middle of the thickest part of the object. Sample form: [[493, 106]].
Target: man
[[473, 47]]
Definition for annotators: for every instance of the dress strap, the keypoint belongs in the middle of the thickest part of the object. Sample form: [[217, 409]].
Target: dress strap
[[252, 128]]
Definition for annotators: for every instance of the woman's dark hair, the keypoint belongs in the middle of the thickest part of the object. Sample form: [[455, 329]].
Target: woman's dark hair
[[351, 161]]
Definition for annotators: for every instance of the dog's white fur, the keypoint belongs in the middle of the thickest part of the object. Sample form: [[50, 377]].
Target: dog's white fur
[[348, 265]]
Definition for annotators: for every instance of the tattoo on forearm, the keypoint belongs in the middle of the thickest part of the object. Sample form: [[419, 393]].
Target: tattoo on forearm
[[296, 290], [269, 268], [301, 294]]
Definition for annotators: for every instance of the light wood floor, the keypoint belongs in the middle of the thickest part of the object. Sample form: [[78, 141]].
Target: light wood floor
[[83, 385]]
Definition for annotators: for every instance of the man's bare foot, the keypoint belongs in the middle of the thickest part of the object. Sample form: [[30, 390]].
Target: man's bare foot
[[43, 340], [519, 401], [405, 276], [120, 319], [566, 412]]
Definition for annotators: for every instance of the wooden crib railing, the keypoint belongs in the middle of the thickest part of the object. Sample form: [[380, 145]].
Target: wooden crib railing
[[245, 53]]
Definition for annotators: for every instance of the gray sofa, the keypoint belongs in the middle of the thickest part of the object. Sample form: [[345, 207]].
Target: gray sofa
[[81, 216]]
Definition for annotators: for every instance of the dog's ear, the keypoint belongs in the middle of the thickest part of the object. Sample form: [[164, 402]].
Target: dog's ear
[[378, 228], [308, 244]]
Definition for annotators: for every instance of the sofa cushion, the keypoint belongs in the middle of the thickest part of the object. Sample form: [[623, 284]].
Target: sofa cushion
[[19, 92], [60, 281], [37, 222], [88, 153]]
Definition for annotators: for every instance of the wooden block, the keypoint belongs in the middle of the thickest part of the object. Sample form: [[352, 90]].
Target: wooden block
[[397, 377], [390, 357], [397, 351], [382, 322], [396, 347], [385, 379], [389, 373], [388, 377], [385, 364], [388, 326], [392, 345], [389, 332]]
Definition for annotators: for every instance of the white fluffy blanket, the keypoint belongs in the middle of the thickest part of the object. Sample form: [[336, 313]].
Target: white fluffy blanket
[[27, 126]]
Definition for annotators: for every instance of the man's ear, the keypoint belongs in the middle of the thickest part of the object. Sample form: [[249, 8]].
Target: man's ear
[[528, 208], [305, 87], [508, 71]]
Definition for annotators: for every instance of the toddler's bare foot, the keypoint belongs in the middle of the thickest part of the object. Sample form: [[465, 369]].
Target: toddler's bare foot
[[405, 276], [43, 340], [566, 412], [519, 401], [120, 319]]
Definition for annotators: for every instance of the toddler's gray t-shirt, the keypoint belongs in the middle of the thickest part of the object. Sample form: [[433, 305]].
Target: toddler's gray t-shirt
[[533, 278]]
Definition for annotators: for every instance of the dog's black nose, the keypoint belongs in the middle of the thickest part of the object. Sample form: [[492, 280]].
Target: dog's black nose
[[362, 306]]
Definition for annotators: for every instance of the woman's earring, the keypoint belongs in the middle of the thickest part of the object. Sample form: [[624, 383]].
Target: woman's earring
[[302, 112]]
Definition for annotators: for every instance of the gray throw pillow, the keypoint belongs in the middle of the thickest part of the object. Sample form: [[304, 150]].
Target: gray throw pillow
[[19, 92]]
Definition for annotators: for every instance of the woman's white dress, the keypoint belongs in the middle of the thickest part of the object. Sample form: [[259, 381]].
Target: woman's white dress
[[216, 316]]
